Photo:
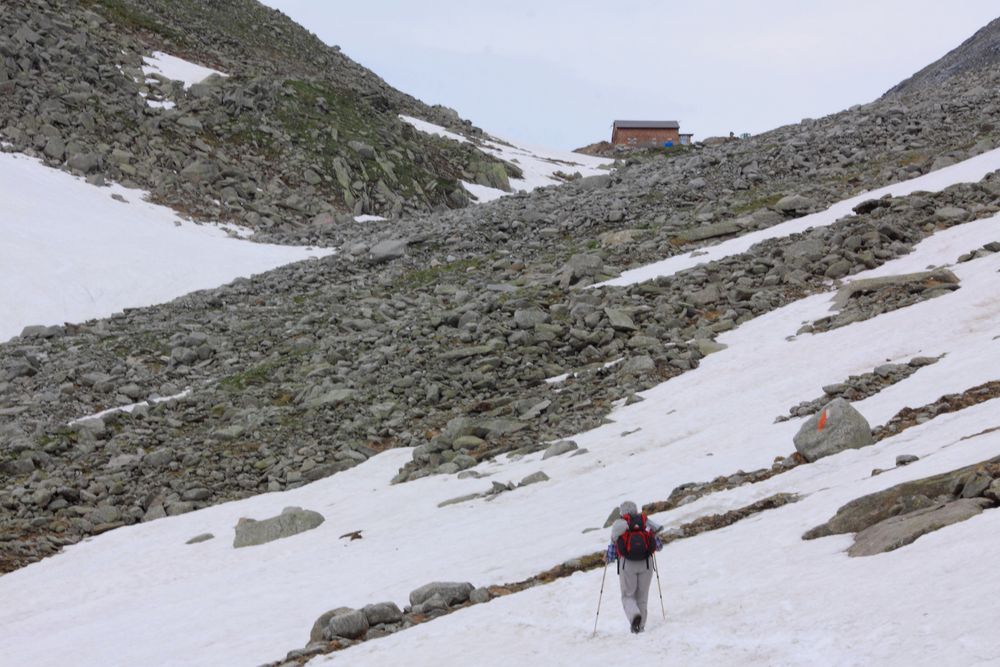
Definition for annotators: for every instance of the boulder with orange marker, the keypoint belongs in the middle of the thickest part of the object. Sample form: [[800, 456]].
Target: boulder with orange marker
[[838, 426]]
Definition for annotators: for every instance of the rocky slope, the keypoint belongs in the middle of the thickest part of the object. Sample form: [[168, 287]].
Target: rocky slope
[[296, 135], [979, 52], [435, 331]]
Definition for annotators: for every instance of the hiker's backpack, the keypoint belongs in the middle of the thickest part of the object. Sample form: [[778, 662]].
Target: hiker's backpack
[[637, 542]]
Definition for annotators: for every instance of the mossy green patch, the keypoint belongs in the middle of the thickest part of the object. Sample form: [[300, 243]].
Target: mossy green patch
[[757, 204], [254, 377], [133, 19]]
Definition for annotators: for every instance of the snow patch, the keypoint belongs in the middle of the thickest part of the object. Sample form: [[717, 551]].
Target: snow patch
[[165, 104], [132, 406], [369, 218], [72, 253], [483, 193], [431, 128], [538, 165], [177, 69]]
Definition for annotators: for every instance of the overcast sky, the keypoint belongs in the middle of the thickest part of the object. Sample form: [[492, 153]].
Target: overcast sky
[[557, 73]]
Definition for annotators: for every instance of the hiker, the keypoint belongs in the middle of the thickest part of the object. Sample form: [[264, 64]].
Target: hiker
[[633, 546]]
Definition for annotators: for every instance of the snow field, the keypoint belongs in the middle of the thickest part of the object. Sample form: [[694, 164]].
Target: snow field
[[72, 253], [755, 593], [750, 594]]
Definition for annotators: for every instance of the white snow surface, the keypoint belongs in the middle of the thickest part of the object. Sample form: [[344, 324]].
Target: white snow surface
[[161, 104], [483, 193], [538, 165], [177, 69], [751, 594], [132, 406], [369, 218], [967, 171], [71, 253]]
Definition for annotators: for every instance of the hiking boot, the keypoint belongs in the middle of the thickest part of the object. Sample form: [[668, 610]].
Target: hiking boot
[[636, 624]]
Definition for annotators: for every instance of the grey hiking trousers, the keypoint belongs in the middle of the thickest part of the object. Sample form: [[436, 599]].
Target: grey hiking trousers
[[634, 578]]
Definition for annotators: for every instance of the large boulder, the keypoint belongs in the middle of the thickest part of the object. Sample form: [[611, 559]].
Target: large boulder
[[898, 531], [291, 521], [838, 426], [340, 622], [451, 592]]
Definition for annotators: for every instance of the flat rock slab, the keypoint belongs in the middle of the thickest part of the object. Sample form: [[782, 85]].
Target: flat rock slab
[[935, 278], [898, 531], [291, 521], [918, 494], [707, 232]]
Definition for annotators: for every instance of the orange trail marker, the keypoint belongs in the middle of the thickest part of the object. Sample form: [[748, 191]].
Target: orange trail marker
[[822, 421]]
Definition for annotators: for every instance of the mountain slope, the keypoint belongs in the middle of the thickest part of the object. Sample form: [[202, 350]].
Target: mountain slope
[[438, 331], [979, 52], [294, 130], [755, 592], [444, 351]]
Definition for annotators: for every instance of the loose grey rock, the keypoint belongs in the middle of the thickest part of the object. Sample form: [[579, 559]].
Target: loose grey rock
[[479, 596], [529, 317], [451, 592], [382, 612], [794, 204], [340, 622], [534, 478], [639, 365], [459, 500], [387, 250], [975, 484], [620, 320], [204, 537], [558, 448]]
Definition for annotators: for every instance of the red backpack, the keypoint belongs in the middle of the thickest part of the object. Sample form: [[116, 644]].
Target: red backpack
[[637, 542]]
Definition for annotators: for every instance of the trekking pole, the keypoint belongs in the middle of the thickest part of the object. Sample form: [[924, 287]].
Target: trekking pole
[[600, 597], [656, 569]]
